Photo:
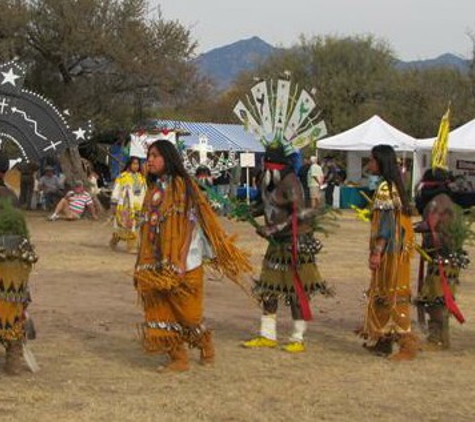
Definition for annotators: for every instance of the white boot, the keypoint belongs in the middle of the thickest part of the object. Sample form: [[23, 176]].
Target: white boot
[[296, 344], [269, 326], [267, 336], [300, 328]]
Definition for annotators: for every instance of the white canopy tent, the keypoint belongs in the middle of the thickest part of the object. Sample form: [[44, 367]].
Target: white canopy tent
[[461, 157], [461, 139], [360, 140], [368, 134]]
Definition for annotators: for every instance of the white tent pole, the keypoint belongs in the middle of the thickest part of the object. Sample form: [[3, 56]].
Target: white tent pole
[[417, 169], [415, 172], [353, 166]]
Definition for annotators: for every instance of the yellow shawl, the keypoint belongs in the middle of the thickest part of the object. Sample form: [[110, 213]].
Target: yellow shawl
[[166, 234], [388, 310]]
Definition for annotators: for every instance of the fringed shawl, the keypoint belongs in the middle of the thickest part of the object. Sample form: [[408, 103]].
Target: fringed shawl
[[166, 233]]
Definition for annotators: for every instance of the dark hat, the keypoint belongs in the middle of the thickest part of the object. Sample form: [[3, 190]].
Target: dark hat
[[276, 154], [4, 162]]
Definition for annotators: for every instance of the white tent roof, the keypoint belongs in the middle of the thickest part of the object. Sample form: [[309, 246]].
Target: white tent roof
[[368, 134], [461, 139]]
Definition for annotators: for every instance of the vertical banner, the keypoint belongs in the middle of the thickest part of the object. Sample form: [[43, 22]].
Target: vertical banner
[[281, 105], [304, 106], [248, 120], [261, 98], [310, 135]]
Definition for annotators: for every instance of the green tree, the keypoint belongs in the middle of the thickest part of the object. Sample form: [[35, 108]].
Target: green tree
[[105, 60], [13, 19], [350, 75], [418, 98], [102, 57], [357, 77]]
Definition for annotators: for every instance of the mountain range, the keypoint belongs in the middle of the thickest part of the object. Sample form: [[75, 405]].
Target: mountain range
[[223, 64]]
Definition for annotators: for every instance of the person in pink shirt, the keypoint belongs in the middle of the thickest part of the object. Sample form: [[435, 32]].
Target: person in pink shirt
[[73, 205]]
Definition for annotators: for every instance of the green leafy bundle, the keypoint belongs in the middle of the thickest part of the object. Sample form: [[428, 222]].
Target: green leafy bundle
[[326, 220], [459, 230], [12, 221]]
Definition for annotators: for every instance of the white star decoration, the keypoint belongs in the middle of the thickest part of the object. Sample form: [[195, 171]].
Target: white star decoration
[[80, 134], [9, 77]]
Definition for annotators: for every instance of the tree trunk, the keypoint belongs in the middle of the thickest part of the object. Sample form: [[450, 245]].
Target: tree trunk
[[72, 166]]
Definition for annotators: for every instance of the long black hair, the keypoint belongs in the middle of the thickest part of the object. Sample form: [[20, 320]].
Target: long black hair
[[129, 162], [390, 172], [174, 168]]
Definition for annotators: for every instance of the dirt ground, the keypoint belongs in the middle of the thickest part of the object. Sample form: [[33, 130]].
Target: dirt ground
[[93, 367]]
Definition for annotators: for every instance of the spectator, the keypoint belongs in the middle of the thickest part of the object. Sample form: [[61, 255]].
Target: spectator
[[331, 179], [50, 187], [73, 205], [92, 181], [27, 184], [223, 186], [303, 176], [234, 180], [314, 182], [222, 183]]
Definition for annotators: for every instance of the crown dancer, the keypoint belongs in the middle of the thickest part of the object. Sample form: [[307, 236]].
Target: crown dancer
[[284, 122]]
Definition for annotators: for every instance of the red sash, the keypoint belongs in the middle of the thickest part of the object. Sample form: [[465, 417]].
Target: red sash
[[448, 297]]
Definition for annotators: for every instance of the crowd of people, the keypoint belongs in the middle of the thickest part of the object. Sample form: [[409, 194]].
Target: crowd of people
[[166, 218]]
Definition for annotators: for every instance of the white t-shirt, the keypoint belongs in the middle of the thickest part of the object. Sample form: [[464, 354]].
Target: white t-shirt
[[315, 173]]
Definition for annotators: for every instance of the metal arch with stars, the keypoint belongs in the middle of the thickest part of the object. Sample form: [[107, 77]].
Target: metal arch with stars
[[35, 124]]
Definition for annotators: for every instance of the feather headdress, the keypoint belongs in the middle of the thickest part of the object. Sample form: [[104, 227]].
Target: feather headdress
[[278, 113]]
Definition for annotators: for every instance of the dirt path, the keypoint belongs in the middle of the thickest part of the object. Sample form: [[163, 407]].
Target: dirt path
[[93, 368]]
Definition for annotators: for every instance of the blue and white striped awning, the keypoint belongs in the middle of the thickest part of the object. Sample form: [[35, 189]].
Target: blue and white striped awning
[[222, 137]]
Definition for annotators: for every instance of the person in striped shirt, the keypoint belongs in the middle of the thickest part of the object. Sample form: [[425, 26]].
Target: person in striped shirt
[[73, 205]]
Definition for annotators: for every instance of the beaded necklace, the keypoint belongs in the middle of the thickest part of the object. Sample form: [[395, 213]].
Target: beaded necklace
[[154, 212]]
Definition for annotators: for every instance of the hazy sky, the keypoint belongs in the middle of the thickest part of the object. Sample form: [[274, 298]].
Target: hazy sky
[[415, 29]]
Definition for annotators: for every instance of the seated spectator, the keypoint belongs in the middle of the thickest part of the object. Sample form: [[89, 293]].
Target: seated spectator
[[74, 204], [92, 181], [51, 188]]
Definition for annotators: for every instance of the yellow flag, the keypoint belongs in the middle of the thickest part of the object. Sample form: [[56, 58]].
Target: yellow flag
[[441, 144]]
